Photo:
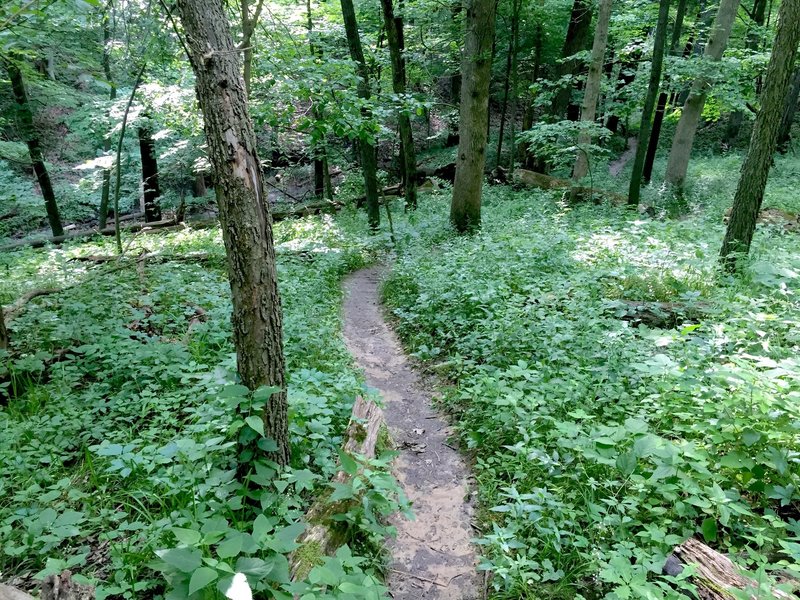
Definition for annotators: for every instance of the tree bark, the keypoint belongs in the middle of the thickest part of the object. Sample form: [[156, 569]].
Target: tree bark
[[31, 138], [476, 66], [3, 331], [394, 38], [678, 162], [152, 191], [199, 187], [577, 39], [789, 112], [763, 141], [369, 161], [659, 41], [244, 214], [112, 94], [661, 107], [592, 94]]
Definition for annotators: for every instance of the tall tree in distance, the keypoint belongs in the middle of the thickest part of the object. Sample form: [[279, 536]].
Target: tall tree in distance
[[682, 142], [393, 24], [112, 95], [577, 40], [249, 22], [659, 40], [243, 211], [369, 161], [763, 141], [592, 93], [789, 112], [150, 187], [31, 138], [476, 68]]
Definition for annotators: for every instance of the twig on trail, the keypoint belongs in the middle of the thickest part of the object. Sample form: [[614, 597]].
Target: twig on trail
[[434, 582]]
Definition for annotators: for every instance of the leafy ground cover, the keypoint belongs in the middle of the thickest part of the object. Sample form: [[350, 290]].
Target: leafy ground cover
[[118, 460], [599, 446]]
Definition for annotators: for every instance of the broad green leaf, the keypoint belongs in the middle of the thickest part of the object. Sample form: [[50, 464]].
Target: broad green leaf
[[201, 578]]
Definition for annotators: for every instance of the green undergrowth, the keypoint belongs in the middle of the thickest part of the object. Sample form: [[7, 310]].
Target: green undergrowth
[[118, 427], [598, 445]]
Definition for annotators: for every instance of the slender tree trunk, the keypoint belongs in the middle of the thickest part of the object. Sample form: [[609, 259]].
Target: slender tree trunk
[[504, 105], [3, 331], [476, 66], [249, 23], [105, 190], [753, 41], [528, 116], [318, 147], [592, 94], [514, 84], [244, 214], [369, 162], [678, 162], [577, 39], [661, 108], [627, 74], [755, 170], [789, 112], [659, 41], [152, 191], [394, 38], [25, 124], [199, 187]]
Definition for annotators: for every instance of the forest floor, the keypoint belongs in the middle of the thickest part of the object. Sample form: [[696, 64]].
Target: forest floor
[[432, 557]]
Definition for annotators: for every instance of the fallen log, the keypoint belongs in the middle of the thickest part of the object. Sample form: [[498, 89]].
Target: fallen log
[[322, 537], [528, 178], [716, 576]]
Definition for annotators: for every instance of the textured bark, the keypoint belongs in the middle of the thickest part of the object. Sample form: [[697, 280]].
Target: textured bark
[[661, 107], [112, 94], [659, 41], [789, 112], [577, 40], [369, 162], [3, 331], [763, 141], [592, 94], [244, 215], [476, 67], [394, 38], [152, 191], [199, 187], [678, 162], [31, 138]]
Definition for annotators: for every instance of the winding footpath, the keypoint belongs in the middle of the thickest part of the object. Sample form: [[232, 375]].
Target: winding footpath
[[432, 557]]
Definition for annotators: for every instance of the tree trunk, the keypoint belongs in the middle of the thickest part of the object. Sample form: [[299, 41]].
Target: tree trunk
[[394, 38], [369, 161], [25, 124], [577, 39], [243, 211], [528, 116], [659, 41], [661, 108], [592, 94], [105, 190], [152, 191], [514, 84], [248, 29], [753, 41], [318, 147], [755, 170], [3, 331], [476, 66], [789, 112], [504, 105], [627, 74], [199, 187], [678, 162]]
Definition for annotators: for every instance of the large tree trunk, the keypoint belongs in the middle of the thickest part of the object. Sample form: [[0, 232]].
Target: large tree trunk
[[592, 94], [659, 41], [789, 112], [31, 138], [152, 191], [112, 93], [476, 67], [577, 39], [661, 108], [394, 38], [755, 170], [678, 162], [243, 211], [369, 162]]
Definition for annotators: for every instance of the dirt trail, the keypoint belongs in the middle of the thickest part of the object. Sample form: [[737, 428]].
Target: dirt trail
[[615, 168], [435, 547]]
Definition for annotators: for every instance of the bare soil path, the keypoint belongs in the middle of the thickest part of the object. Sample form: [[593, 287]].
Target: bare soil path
[[432, 557], [615, 168]]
